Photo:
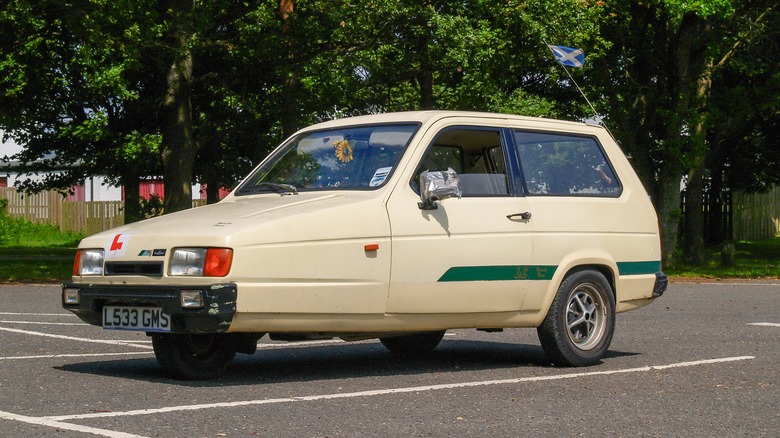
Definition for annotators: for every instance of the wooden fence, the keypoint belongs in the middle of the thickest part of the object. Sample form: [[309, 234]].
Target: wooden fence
[[51, 208], [756, 216]]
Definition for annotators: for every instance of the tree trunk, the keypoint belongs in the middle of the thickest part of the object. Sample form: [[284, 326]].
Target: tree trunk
[[716, 233], [291, 84], [694, 230], [694, 226], [669, 214], [131, 182], [425, 79], [178, 144], [212, 192]]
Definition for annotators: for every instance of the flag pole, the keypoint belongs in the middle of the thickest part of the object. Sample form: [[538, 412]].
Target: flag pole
[[592, 108], [596, 115]]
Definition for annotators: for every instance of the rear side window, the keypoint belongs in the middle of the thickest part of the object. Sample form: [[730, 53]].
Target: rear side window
[[564, 165]]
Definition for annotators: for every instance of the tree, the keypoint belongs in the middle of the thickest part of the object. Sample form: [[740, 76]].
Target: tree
[[658, 76], [266, 70], [102, 88], [744, 114], [473, 55], [65, 96], [200, 90], [178, 143], [729, 34]]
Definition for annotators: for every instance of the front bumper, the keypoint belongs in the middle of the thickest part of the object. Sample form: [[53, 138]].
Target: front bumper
[[216, 315]]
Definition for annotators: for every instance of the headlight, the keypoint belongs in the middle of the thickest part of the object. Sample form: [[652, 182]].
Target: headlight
[[187, 261], [88, 262], [201, 262]]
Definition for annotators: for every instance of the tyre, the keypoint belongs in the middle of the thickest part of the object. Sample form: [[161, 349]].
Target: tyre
[[581, 321], [194, 357], [416, 343]]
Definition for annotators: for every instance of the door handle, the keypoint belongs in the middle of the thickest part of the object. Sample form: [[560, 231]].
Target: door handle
[[524, 215]]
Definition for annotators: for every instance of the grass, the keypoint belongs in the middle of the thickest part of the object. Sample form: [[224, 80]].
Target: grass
[[48, 237], [35, 252], [35, 264], [754, 259]]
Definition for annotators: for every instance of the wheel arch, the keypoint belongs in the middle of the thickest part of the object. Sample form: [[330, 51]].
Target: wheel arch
[[605, 270], [597, 260], [603, 264]]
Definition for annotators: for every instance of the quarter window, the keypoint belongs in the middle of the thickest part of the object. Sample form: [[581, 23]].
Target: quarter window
[[564, 165]]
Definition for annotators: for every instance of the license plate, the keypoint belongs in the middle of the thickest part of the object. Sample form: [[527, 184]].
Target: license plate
[[150, 319]]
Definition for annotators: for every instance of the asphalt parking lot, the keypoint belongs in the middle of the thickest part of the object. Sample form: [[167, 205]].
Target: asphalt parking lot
[[703, 360]]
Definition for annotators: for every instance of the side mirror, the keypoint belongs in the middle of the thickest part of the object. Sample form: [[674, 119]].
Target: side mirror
[[436, 186]]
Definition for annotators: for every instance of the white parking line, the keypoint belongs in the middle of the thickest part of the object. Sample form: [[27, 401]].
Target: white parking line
[[309, 343], [37, 314], [38, 421], [41, 323], [742, 284], [72, 338], [55, 356], [765, 324], [378, 392]]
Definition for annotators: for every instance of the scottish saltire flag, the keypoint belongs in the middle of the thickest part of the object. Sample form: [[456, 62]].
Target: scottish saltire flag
[[568, 56]]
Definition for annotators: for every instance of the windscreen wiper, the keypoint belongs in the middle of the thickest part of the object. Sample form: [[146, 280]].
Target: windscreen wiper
[[274, 187]]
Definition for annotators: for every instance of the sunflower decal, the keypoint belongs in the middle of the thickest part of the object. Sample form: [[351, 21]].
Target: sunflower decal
[[343, 150]]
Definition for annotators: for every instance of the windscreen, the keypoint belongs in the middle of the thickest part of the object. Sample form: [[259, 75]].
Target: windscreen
[[346, 158]]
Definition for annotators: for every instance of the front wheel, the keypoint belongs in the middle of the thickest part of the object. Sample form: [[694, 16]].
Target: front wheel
[[416, 343], [194, 357], [581, 321]]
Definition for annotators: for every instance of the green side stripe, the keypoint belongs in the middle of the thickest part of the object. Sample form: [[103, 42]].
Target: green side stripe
[[534, 272], [639, 268], [497, 273]]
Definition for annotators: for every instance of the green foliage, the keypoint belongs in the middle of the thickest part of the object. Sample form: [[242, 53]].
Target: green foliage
[[152, 207], [704, 8], [743, 116], [8, 225]]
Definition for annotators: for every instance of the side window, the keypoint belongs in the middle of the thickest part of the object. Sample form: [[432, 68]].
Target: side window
[[477, 157], [440, 157], [564, 165]]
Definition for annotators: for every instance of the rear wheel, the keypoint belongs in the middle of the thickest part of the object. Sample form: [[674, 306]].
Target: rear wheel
[[416, 343], [194, 357], [581, 321]]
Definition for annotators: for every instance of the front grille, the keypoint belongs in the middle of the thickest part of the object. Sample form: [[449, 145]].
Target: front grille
[[154, 269]]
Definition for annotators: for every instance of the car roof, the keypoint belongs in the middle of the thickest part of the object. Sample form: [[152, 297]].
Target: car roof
[[432, 115]]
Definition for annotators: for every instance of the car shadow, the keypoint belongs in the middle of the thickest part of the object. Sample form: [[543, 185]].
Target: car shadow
[[610, 354], [289, 363]]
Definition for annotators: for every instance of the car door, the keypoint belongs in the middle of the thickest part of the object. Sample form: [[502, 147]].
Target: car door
[[470, 254]]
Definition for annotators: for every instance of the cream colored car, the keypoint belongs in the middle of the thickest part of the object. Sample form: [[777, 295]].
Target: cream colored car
[[394, 226]]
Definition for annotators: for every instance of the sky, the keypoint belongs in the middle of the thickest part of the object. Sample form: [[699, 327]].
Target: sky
[[8, 148]]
